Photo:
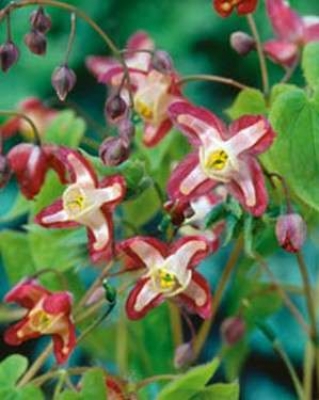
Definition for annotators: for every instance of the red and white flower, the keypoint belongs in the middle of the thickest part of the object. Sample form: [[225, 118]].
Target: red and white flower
[[292, 31], [48, 314], [170, 274], [85, 202], [226, 156], [226, 7], [152, 91], [40, 115]]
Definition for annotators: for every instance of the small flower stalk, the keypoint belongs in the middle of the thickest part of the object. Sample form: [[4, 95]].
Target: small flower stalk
[[291, 232], [48, 313]]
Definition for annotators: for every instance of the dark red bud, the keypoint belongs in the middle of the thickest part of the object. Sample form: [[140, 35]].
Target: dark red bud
[[126, 130], [183, 355], [63, 80], [9, 55], [233, 330], [113, 151], [162, 62], [5, 171], [242, 43], [40, 20], [291, 232], [36, 42], [115, 108]]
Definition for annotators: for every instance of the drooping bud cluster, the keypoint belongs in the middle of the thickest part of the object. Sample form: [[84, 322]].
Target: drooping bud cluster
[[233, 330], [113, 151], [116, 108], [242, 43], [9, 55], [36, 40], [291, 232]]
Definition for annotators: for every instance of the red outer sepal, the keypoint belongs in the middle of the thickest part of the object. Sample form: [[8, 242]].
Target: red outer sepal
[[26, 293]]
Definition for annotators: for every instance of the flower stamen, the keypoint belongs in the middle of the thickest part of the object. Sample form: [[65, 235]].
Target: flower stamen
[[217, 160]]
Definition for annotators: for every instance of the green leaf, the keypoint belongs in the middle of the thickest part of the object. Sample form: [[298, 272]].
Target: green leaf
[[66, 129], [219, 391], [248, 101], [279, 89], [11, 370], [16, 255], [310, 63], [294, 153], [20, 207], [190, 383]]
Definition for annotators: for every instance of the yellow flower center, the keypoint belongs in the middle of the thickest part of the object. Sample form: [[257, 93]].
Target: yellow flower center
[[216, 160], [40, 320], [143, 109], [229, 4], [166, 280], [74, 201]]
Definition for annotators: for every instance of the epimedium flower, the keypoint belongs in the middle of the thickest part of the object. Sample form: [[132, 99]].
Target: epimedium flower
[[221, 156], [39, 113], [48, 314], [292, 31], [226, 7], [169, 274], [86, 202], [152, 84]]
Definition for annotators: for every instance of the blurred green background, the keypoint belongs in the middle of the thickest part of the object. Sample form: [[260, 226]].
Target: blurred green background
[[198, 41]]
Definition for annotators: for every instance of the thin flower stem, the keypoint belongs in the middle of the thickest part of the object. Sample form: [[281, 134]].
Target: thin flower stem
[[261, 55], [311, 309], [39, 381], [71, 38], [212, 78], [284, 357], [58, 274], [13, 113], [285, 188], [289, 304], [308, 370], [31, 372], [229, 267], [176, 324], [9, 34]]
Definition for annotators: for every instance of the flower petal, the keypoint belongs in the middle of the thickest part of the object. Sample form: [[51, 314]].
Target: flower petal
[[155, 133], [30, 165], [187, 253], [100, 228], [311, 25], [197, 296], [142, 298], [282, 53], [20, 332], [54, 216], [198, 124], [188, 179], [251, 133], [286, 23], [145, 250], [112, 190], [26, 293], [248, 186], [246, 7], [64, 341]]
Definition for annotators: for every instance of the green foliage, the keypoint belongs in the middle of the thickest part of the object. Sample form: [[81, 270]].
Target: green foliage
[[219, 391], [248, 101], [294, 153], [310, 64], [189, 384], [66, 129], [93, 386], [11, 370]]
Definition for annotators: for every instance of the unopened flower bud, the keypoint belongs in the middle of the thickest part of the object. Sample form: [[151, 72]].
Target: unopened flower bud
[[5, 171], [63, 80], [9, 55], [126, 130], [162, 62], [115, 108], [36, 42], [40, 20], [242, 43], [291, 232], [183, 355], [233, 330], [113, 151]]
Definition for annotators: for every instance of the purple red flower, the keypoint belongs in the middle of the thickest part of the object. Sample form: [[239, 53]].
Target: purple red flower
[[85, 202], [291, 232], [48, 314], [152, 90], [226, 7], [170, 274], [292, 31], [221, 156]]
